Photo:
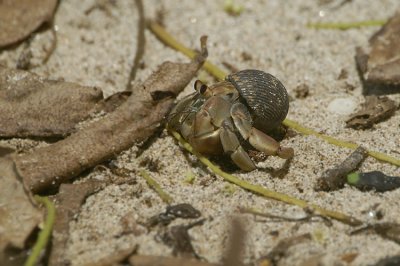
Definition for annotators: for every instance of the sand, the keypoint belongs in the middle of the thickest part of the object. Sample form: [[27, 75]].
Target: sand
[[97, 49]]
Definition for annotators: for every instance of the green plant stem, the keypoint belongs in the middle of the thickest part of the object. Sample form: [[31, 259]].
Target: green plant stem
[[44, 235], [346, 25], [167, 39], [266, 192], [157, 188], [345, 144]]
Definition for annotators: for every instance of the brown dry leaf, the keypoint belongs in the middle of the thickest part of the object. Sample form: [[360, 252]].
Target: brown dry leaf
[[315, 260], [19, 18], [134, 121], [349, 257], [179, 239], [379, 63], [374, 110], [4, 150], [18, 215], [386, 230], [282, 248], [114, 258], [234, 252], [68, 203], [33, 106], [142, 260]]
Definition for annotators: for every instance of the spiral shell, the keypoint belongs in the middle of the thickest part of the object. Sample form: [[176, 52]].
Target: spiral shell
[[265, 96]]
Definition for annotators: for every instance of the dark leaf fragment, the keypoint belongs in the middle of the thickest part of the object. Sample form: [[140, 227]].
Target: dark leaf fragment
[[390, 261], [379, 63], [386, 230], [374, 180], [178, 238], [281, 249], [375, 109], [183, 210]]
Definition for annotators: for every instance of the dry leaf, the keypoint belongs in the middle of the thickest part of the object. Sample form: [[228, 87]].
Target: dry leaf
[[69, 200], [19, 18], [33, 106], [374, 110], [114, 258], [282, 248], [386, 230], [18, 215], [379, 63], [142, 260], [349, 257], [134, 121]]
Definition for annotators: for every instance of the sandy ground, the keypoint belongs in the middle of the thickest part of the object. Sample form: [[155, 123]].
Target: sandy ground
[[98, 49]]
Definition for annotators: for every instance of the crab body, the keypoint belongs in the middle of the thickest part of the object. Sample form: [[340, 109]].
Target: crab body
[[220, 118]]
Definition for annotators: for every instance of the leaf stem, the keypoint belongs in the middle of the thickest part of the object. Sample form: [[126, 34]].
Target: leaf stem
[[266, 192], [157, 188], [346, 25], [44, 235]]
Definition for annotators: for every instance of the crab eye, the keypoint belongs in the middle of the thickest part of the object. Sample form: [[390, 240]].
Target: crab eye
[[203, 89], [200, 87]]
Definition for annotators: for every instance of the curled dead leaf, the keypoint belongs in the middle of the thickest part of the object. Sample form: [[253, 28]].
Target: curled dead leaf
[[374, 110], [379, 63]]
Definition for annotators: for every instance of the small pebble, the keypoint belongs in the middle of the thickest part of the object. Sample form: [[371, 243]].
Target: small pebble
[[342, 106]]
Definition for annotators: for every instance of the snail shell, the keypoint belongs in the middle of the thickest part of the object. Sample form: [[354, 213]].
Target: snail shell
[[265, 96]]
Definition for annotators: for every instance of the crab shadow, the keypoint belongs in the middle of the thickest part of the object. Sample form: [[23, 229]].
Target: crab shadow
[[228, 166]]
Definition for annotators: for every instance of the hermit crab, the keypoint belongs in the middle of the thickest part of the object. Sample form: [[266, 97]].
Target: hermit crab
[[228, 116]]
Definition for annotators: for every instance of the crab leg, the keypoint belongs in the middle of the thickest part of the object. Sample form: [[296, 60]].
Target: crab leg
[[231, 145], [258, 139]]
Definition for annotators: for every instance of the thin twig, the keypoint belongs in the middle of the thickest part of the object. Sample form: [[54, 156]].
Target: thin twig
[[335, 178], [44, 235], [53, 46], [157, 188], [278, 218], [266, 192], [141, 41], [345, 144], [167, 39]]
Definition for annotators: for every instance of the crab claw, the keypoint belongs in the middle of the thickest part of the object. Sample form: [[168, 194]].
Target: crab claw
[[268, 145], [258, 139]]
